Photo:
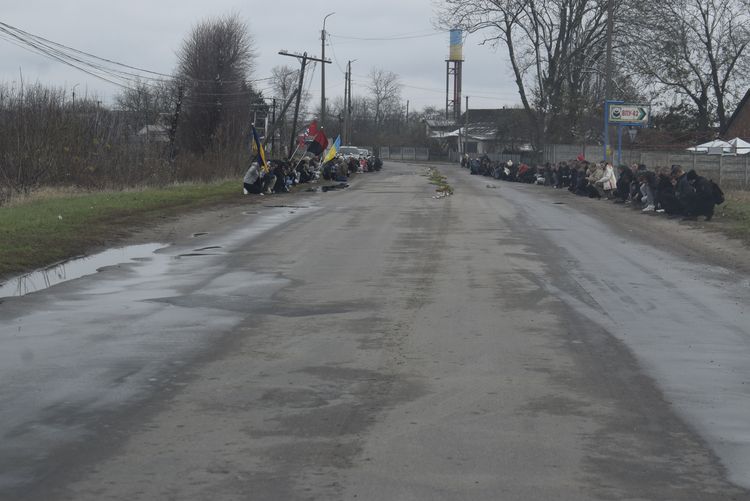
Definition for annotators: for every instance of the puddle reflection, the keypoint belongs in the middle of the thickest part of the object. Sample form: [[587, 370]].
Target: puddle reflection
[[76, 268]]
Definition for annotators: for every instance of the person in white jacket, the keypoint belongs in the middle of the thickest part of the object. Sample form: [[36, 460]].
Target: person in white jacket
[[608, 180]]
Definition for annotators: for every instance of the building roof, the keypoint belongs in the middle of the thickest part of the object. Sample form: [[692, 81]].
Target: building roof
[[485, 125], [737, 112], [501, 115]]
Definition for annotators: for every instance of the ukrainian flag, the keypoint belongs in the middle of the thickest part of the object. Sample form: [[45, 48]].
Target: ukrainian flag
[[332, 151], [258, 152]]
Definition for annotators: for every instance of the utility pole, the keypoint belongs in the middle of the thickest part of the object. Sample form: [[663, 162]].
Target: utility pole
[[283, 111], [608, 63], [273, 121], [348, 102], [345, 132], [296, 105], [175, 121], [466, 125], [323, 73], [608, 74], [304, 58], [407, 111]]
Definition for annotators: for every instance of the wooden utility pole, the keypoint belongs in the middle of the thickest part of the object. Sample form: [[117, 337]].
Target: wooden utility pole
[[175, 121], [347, 107], [281, 114], [348, 103], [304, 58], [273, 121], [323, 73]]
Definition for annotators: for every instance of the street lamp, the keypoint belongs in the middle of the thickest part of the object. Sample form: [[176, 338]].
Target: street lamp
[[323, 72]]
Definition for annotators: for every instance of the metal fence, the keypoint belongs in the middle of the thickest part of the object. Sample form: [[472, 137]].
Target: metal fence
[[731, 172], [404, 153]]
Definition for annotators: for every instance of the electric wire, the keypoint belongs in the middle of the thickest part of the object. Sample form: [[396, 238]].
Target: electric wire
[[404, 36], [106, 69]]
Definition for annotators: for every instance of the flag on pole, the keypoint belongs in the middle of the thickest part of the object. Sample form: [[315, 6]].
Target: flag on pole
[[319, 143], [258, 154], [332, 151], [309, 134]]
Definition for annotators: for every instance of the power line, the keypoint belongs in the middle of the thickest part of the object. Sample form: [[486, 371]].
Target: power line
[[404, 36], [336, 59], [102, 68]]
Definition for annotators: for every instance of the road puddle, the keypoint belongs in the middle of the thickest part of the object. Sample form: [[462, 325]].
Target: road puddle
[[75, 268]]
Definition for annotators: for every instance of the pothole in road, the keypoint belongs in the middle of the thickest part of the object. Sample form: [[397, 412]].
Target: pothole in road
[[75, 268], [200, 234], [210, 247], [287, 206]]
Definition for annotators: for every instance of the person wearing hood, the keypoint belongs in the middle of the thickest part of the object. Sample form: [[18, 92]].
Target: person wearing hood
[[608, 181], [701, 201], [623, 184]]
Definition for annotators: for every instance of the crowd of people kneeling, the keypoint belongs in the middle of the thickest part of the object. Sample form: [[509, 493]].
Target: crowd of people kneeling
[[281, 175], [669, 190]]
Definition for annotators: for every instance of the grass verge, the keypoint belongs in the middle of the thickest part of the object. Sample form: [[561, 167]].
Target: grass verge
[[734, 213], [44, 230]]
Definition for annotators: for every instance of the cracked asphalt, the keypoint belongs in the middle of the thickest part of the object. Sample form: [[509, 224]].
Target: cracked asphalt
[[505, 343]]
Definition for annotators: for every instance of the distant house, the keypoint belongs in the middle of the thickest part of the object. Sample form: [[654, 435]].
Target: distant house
[[739, 123], [153, 134], [437, 128], [503, 130]]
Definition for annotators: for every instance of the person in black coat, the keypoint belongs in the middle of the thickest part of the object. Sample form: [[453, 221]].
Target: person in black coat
[[624, 179], [699, 202], [665, 198]]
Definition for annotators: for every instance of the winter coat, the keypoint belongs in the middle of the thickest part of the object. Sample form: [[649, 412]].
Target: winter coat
[[252, 174], [595, 174], [683, 189], [608, 180]]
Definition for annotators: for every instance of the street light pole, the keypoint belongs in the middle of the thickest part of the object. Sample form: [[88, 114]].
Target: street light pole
[[608, 76], [323, 73]]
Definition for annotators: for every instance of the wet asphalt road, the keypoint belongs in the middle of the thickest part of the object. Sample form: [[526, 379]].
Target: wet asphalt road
[[376, 343]]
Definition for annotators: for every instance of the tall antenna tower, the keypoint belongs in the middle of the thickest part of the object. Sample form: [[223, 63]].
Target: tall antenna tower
[[453, 68]]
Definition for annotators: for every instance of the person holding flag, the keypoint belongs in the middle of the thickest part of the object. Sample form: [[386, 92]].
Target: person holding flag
[[333, 150], [256, 178], [259, 154]]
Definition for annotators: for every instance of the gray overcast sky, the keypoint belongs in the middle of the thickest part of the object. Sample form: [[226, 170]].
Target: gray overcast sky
[[148, 33]]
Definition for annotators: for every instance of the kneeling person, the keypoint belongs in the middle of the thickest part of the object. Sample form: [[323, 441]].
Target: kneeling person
[[252, 182]]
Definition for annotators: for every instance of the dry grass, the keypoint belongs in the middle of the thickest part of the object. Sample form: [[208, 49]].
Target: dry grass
[[734, 214], [53, 225]]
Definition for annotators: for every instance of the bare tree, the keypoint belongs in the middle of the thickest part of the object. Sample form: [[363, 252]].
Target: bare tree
[[696, 49], [284, 80], [552, 45], [385, 94], [146, 103], [216, 61]]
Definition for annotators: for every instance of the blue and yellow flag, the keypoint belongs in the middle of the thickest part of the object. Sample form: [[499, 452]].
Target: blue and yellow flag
[[258, 154], [332, 151]]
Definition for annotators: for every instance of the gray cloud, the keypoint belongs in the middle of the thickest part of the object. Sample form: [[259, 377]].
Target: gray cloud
[[147, 34]]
